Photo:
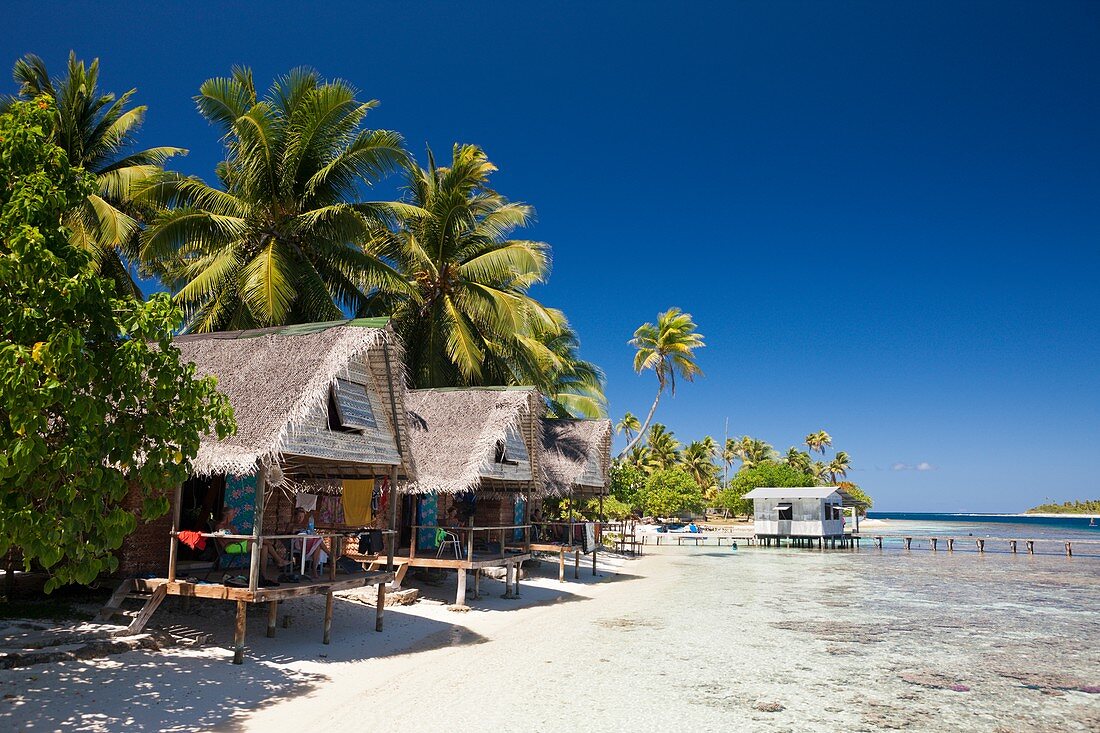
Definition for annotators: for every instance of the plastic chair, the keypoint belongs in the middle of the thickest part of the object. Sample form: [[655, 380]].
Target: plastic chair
[[444, 538]]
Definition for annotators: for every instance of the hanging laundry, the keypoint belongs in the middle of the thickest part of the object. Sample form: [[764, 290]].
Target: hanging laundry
[[192, 539], [305, 501], [357, 501], [330, 510]]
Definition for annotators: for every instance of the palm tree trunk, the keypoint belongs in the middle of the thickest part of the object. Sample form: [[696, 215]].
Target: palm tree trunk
[[641, 430]]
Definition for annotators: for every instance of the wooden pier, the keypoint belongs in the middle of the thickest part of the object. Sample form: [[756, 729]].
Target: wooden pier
[[1012, 544]]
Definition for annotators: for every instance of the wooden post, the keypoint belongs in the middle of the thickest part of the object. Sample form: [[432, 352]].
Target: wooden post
[[515, 578], [908, 542], [594, 558], [507, 580], [950, 544], [878, 542], [981, 545], [381, 607], [1012, 545], [477, 584], [470, 545], [561, 564], [412, 540], [1030, 547], [238, 632], [335, 551], [391, 544], [933, 540], [1069, 549], [257, 528], [576, 564], [272, 615], [328, 618], [174, 544], [460, 597]]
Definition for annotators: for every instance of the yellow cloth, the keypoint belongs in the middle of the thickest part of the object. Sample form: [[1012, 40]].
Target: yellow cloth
[[357, 496]]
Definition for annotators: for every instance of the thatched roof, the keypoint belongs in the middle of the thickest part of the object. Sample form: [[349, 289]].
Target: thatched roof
[[454, 434], [569, 448], [275, 377]]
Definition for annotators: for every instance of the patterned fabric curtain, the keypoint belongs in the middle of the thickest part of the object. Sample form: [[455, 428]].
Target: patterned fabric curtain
[[426, 517], [517, 516], [240, 493], [330, 510]]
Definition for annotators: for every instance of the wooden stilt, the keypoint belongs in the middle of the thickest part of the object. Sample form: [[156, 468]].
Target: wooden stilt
[[174, 544], [238, 632], [391, 538], [257, 530], [477, 584], [1069, 549], [272, 616], [1012, 546], [507, 581], [515, 579], [981, 545], [908, 542], [381, 607], [328, 619], [1030, 547], [576, 564], [950, 544], [460, 597], [561, 564], [933, 540]]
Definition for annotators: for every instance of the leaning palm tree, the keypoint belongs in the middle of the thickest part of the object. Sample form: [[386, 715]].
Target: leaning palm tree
[[628, 425], [668, 349], [471, 321], [283, 238], [753, 452], [97, 131], [839, 465]]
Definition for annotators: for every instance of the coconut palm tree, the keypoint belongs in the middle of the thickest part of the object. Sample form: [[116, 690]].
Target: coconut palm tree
[[282, 239], [818, 441], [695, 459], [97, 130], [753, 451], [818, 470], [711, 447], [839, 465], [470, 320], [729, 454], [668, 349], [798, 459], [664, 449], [628, 425]]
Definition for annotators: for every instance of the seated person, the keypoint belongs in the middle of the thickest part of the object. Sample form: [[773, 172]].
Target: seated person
[[314, 547], [454, 523], [268, 551]]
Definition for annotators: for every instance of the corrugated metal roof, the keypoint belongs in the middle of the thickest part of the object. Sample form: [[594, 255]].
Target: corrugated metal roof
[[798, 492]]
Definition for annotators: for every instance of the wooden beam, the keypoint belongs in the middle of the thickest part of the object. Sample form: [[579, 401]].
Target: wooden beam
[[272, 616], [174, 543], [238, 632]]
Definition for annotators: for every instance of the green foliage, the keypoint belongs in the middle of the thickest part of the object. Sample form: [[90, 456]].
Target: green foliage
[[857, 493], [766, 473], [670, 492], [96, 130], [1089, 506], [94, 402], [626, 481], [612, 508], [470, 320], [281, 240]]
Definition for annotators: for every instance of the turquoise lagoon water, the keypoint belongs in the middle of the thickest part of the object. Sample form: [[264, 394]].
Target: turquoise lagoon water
[[1049, 533]]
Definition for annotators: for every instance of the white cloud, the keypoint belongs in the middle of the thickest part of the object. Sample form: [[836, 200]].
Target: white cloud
[[922, 466]]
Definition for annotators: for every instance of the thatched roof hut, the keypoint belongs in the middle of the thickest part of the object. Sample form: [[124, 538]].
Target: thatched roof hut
[[320, 400], [478, 439], [576, 455]]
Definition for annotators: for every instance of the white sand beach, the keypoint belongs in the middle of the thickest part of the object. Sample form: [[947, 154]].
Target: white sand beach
[[709, 639]]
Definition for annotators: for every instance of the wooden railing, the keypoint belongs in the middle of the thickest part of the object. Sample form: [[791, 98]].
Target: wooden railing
[[470, 531]]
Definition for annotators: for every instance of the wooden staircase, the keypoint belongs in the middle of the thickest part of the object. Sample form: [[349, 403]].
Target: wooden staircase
[[128, 591]]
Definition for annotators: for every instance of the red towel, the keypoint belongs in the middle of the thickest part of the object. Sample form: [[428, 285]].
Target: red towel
[[193, 539]]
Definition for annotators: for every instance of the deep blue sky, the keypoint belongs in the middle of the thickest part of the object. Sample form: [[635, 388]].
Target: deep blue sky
[[885, 217]]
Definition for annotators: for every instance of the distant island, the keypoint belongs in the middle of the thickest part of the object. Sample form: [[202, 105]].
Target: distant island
[[1068, 507]]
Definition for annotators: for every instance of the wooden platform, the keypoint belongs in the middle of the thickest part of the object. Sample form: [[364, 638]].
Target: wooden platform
[[561, 550], [221, 592], [271, 596], [477, 562]]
